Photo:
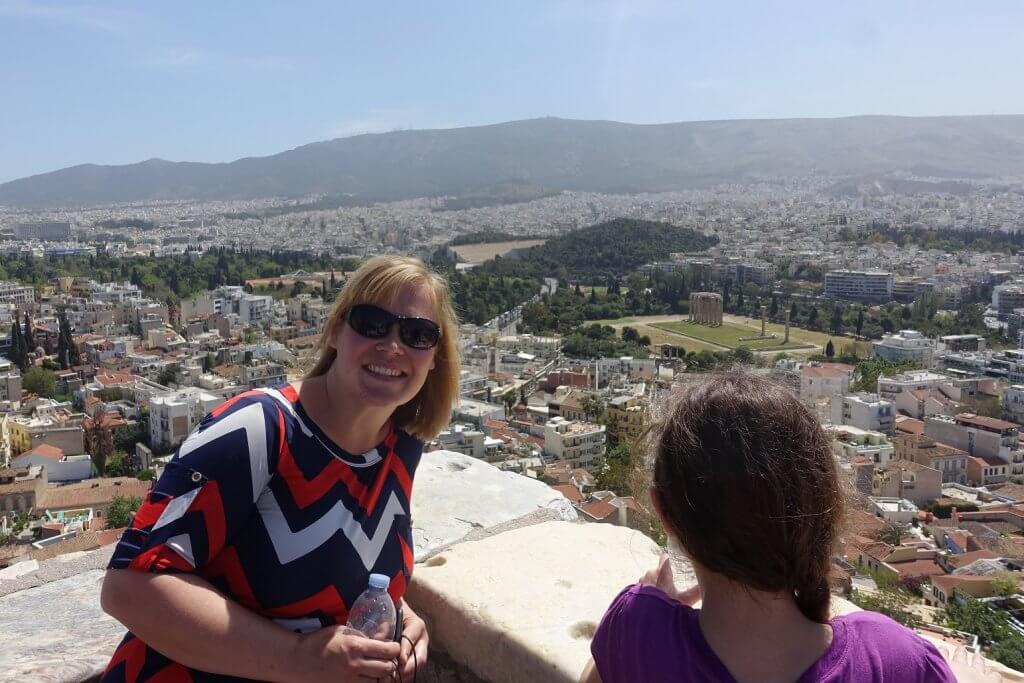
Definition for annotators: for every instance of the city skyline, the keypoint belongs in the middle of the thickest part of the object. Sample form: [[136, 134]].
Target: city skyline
[[119, 84]]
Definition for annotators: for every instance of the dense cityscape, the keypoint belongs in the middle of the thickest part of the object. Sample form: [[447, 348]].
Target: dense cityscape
[[911, 355]]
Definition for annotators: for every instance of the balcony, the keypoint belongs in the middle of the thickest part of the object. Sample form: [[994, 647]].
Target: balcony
[[549, 578]]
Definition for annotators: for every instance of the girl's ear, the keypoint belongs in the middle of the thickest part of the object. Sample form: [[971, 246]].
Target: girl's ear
[[656, 503]]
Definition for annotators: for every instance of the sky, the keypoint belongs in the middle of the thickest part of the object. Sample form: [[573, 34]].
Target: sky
[[121, 82]]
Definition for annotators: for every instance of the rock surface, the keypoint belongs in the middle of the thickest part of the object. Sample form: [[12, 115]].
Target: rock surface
[[454, 494], [57, 633], [523, 605]]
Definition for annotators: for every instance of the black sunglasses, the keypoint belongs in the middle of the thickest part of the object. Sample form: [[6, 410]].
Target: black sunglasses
[[373, 322]]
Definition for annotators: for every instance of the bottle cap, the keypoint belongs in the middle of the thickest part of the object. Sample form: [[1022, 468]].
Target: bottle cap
[[380, 581]]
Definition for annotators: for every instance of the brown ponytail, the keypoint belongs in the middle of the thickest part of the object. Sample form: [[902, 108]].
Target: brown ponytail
[[748, 486]]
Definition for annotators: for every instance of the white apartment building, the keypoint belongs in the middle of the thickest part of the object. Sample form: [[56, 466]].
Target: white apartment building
[[542, 347], [1006, 298], [582, 444], [907, 345], [982, 437], [15, 293], [1013, 403], [822, 387], [174, 414], [627, 367], [466, 440], [10, 384], [850, 443], [262, 374], [873, 287], [114, 292], [869, 412], [310, 310]]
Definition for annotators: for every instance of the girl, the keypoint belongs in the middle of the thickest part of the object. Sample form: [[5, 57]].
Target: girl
[[745, 483]]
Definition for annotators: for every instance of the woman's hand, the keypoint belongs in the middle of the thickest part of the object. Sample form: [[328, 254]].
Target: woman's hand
[[415, 630], [661, 578], [340, 654]]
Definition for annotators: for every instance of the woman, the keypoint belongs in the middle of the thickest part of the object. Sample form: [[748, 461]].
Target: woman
[[745, 483], [264, 528]]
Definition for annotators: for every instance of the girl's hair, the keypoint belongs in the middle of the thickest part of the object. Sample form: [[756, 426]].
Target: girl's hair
[[747, 484], [381, 281]]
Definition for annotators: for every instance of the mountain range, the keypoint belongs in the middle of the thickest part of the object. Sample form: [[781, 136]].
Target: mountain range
[[536, 157]]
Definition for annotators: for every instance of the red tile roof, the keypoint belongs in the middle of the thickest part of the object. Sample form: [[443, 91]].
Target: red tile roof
[[45, 450], [570, 492], [909, 425], [598, 509], [918, 568], [986, 422]]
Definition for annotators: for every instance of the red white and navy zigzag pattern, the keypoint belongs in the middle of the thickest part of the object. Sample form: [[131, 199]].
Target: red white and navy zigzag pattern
[[263, 505]]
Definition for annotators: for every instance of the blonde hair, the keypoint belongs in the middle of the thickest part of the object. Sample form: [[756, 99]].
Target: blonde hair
[[380, 281]]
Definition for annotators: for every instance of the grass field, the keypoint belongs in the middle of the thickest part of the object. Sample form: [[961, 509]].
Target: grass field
[[478, 253], [802, 342], [729, 335], [660, 336]]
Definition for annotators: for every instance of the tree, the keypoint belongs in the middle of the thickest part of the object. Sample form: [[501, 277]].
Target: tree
[[592, 406], [892, 602], [126, 436], [794, 311], [836, 323], [166, 376], [812, 317], [743, 355], [860, 321], [892, 533], [122, 510], [617, 472], [17, 353], [774, 309], [994, 632], [40, 382], [630, 334], [830, 350], [508, 399], [1005, 584], [30, 337], [118, 465]]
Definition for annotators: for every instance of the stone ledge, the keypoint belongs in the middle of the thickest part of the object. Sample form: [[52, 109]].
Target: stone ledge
[[523, 605], [456, 496]]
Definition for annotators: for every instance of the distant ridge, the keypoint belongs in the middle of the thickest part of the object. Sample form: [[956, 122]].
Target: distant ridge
[[536, 157]]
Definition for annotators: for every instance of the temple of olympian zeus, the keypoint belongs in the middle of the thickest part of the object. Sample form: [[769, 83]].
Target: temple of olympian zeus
[[706, 308]]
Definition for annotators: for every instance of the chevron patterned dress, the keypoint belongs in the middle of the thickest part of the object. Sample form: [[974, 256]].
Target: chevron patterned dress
[[263, 505]]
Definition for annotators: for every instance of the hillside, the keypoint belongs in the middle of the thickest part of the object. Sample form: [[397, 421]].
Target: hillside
[[589, 255], [524, 159]]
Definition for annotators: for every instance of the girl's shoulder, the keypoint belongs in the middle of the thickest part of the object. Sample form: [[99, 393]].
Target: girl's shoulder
[[871, 640]]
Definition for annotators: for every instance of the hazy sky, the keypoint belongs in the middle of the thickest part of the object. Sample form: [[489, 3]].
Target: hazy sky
[[118, 82]]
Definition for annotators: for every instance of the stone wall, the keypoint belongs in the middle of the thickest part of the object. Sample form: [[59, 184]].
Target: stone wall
[[510, 584]]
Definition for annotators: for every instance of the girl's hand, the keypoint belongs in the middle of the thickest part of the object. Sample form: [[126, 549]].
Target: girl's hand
[[661, 578]]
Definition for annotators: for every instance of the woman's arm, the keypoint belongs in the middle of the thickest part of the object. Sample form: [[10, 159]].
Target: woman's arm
[[187, 620]]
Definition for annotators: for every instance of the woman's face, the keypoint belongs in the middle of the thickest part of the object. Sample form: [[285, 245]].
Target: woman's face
[[384, 373]]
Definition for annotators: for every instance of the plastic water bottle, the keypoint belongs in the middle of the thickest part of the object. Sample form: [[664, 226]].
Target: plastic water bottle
[[373, 613]]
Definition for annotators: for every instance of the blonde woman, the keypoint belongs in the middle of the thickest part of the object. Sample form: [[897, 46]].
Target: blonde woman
[[244, 559]]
